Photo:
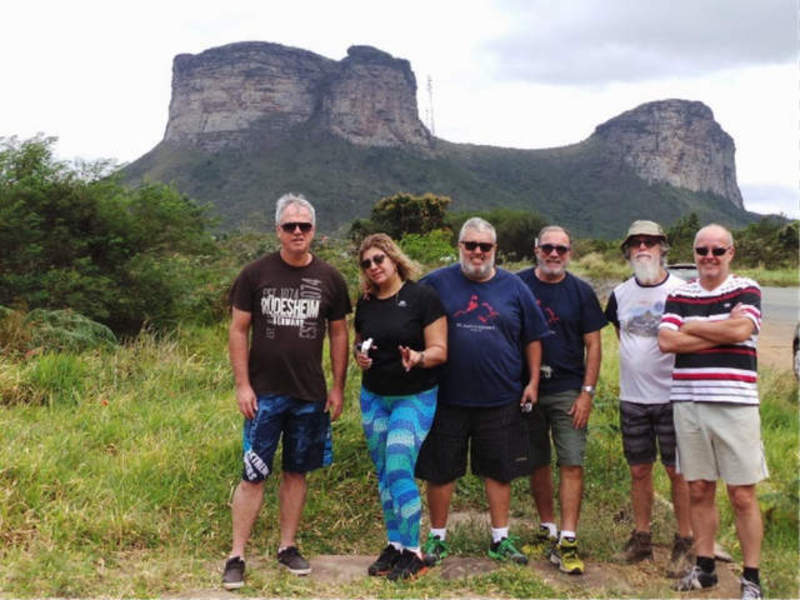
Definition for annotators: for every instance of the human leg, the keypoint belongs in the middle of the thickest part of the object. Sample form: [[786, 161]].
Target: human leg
[[409, 422], [703, 515], [570, 494], [247, 500], [749, 527], [292, 499], [642, 495]]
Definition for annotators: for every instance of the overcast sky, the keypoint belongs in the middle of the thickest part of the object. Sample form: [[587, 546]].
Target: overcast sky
[[517, 73]]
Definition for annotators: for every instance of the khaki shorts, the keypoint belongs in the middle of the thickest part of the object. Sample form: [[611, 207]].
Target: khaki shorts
[[719, 441], [550, 417]]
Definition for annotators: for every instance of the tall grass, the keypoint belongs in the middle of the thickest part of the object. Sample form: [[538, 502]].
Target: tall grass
[[117, 467]]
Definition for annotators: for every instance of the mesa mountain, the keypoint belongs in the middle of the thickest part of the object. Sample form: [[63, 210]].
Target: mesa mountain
[[250, 121]]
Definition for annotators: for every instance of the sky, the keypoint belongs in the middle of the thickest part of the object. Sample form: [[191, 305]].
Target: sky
[[515, 73]]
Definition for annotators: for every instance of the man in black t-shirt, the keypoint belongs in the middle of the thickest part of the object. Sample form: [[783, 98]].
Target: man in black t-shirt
[[286, 300]]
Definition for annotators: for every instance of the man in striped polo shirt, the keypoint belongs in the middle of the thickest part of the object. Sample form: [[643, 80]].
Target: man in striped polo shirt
[[711, 325]]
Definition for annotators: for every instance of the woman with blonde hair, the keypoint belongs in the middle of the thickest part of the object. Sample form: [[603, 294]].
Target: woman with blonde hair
[[401, 335]]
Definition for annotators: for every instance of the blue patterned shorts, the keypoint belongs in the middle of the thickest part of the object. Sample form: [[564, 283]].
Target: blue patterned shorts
[[306, 430]]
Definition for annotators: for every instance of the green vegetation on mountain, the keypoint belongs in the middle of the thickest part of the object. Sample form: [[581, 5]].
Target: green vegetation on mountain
[[581, 186]]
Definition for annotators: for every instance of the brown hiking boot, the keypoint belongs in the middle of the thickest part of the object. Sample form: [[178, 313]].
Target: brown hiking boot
[[639, 547], [682, 558]]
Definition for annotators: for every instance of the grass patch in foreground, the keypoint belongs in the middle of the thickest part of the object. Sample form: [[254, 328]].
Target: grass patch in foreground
[[118, 484]]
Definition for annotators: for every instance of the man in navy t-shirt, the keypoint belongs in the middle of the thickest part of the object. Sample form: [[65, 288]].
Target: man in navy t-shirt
[[492, 371], [570, 365]]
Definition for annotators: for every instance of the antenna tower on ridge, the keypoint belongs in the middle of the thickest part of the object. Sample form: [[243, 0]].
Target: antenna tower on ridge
[[430, 107]]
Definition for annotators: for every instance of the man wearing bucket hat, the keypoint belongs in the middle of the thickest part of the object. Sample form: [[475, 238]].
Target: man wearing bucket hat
[[645, 377]]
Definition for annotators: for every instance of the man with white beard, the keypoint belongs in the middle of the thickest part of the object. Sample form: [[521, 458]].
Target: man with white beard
[[645, 376]]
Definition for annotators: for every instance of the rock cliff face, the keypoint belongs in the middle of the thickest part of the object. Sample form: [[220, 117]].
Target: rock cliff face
[[257, 91], [677, 142]]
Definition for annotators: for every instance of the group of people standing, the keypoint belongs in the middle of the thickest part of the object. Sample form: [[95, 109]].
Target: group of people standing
[[473, 364]]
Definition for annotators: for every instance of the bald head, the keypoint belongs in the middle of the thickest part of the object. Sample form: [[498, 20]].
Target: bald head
[[716, 231]]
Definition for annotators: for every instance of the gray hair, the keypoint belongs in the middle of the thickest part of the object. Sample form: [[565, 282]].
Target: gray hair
[[289, 199], [548, 229], [477, 224]]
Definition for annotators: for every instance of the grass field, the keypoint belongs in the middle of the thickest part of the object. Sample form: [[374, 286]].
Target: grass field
[[117, 467]]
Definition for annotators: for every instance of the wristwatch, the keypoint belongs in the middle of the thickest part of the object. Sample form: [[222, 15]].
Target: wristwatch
[[589, 389]]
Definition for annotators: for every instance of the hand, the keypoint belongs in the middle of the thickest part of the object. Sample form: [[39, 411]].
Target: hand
[[738, 312], [410, 358], [247, 401], [529, 395], [363, 360], [334, 403], [580, 410]]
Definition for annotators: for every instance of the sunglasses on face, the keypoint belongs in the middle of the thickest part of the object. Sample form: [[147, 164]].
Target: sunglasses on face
[[703, 250], [636, 242], [548, 248], [484, 246], [290, 227], [377, 260]]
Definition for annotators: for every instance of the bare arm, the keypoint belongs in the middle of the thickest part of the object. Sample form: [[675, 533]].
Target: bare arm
[[337, 335], [435, 352], [679, 342], [239, 353], [733, 330], [582, 407], [533, 356]]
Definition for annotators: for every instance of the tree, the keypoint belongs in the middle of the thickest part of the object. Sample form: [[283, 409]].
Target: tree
[[404, 213], [72, 236]]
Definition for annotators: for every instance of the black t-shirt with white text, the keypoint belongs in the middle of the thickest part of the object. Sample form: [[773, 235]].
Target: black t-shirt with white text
[[290, 307]]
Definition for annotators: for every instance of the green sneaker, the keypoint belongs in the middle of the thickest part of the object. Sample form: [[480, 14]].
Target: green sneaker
[[505, 550], [434, 550], [565, 555]]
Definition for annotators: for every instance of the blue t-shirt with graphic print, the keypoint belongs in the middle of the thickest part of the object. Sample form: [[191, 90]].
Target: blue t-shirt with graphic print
[[572, 310], [489, 325]]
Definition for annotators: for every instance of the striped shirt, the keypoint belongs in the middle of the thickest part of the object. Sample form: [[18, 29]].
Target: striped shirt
[[724, 373]]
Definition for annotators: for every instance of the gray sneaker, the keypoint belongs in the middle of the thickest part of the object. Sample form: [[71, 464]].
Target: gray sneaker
[[750, 590], [682, 557], [696, 579], [233, 574], [292, 559]]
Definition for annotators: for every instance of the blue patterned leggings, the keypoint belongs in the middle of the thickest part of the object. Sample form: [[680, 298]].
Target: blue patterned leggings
[[395, 427]]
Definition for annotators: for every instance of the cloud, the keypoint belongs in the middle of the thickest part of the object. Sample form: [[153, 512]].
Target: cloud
[[592, 42], [772, 199]]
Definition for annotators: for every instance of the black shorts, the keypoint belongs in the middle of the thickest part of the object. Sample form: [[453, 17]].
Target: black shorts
[[642, 425], [496, 437]]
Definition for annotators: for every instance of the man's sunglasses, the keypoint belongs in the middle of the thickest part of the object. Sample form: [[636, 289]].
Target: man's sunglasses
[[484, 246], [703, 250], [377, 259], [636, 242], [291, 226], [548, 248]]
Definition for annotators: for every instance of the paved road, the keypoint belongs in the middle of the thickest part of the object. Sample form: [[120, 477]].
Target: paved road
[[780, 308]]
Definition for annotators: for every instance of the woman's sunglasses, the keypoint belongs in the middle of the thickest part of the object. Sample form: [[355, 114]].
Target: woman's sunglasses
[[703, 250], [377, 259], [290, 227]]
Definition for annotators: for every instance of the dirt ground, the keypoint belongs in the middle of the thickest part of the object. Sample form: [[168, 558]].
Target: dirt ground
[[775, 345]]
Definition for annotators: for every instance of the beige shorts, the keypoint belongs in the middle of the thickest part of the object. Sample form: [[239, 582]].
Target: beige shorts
[[719, 441]]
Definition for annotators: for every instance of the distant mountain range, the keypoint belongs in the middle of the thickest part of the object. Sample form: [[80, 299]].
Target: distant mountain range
[[250, 121]]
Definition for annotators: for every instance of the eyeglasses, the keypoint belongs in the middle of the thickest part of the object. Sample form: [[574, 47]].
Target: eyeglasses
[[636, 242], [291, 226], [484, 246], [703, 250], [548, 248], [377, 260]]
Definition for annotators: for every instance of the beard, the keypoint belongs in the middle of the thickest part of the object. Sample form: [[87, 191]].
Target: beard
[[646, 270], [476, 273], [550, 268]]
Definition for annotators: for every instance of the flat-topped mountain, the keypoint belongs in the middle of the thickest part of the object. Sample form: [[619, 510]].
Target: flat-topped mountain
[[249, 121]]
